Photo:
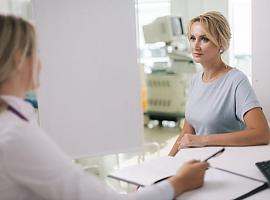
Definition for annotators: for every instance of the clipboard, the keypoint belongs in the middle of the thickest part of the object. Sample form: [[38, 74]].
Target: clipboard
[[148, 172], [219, 182], [225, 185]]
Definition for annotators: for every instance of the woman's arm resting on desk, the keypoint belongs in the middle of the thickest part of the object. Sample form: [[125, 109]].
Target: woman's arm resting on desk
[[187, 129], [256, 133]]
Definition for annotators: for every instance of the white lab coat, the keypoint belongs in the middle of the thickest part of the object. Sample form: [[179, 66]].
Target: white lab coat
[[33, 167]]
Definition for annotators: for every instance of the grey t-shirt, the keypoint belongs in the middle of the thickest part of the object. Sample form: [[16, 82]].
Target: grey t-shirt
[[219, 106]]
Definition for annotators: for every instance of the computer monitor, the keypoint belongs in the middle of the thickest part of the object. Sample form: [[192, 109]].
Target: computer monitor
[[163, 29]]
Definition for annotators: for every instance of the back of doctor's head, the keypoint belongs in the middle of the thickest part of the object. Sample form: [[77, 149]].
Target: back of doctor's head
[[216, 26], [17, 41]]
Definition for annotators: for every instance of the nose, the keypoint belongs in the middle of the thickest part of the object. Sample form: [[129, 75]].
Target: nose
[[197, 45]]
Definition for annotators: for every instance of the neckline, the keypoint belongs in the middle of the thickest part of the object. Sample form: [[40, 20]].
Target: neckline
[[217, 79]]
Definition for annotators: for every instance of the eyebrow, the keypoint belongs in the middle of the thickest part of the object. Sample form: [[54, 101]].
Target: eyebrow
[[199, 36]]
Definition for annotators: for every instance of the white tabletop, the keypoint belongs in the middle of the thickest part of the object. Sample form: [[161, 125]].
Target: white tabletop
[[236, 159]]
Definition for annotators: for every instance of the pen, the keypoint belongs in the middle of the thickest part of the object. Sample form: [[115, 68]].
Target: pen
[[215, 154], [162, 179]]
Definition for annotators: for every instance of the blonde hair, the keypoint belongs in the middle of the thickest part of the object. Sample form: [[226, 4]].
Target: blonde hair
[[216, 27], [16, 36]]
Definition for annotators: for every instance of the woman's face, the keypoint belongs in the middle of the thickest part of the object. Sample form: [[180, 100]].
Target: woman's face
[[203, 50]]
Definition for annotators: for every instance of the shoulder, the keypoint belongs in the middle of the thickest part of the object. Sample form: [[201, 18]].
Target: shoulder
[[196, 77], [29, 143], [237, 76], [16, 141], [18, 133]]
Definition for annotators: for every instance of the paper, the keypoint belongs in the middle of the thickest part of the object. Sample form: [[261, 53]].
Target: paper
[[223, 185], [150, 171], [197, 153]]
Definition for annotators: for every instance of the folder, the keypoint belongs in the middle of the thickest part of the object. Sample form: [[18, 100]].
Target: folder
[[219, 183]]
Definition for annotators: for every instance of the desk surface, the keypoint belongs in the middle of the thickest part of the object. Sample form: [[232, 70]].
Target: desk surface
[[238, 159]]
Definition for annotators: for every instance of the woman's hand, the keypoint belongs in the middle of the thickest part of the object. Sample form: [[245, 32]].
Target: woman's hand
[[191, 140], [187, 129], [190, 176]]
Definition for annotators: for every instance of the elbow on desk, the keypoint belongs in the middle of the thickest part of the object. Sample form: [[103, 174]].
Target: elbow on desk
[[265, 138], [260, 137]]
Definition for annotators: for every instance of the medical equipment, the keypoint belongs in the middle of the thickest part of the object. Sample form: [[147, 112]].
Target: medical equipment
[[168, 81]]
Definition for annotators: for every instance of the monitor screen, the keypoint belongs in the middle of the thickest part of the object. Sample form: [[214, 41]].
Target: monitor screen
[[177, 26], [163, 29]]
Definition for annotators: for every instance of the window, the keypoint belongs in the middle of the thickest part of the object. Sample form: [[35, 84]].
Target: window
[[240, 20], [148, 11], [21, 8]]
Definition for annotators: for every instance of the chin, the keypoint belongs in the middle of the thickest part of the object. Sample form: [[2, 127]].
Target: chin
[[197, 60]]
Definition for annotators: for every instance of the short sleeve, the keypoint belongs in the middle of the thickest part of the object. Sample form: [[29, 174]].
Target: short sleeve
[[245, 98]]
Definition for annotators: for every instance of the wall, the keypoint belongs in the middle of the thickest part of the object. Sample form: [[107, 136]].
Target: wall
[[4, 7], [191, 8], [260, 52]]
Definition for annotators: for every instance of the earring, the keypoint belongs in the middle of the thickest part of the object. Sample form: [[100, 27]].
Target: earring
[[221, 51]]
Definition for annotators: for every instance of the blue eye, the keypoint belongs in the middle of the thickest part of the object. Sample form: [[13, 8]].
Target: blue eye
[[204, 39], [192, 38]]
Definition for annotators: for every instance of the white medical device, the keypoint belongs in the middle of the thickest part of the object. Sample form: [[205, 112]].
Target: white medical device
[[167, 85]]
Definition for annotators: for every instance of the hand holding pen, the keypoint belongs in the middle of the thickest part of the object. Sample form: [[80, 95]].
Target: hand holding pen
[[205, 161]]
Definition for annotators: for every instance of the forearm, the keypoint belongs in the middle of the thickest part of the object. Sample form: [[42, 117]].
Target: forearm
[[175, 147], [187, 129], [240, 138], [177, 184]]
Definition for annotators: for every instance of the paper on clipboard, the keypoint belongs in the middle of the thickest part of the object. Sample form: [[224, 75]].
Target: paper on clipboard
[[223, 185], [218, 183], [153, 170], [148, 172]]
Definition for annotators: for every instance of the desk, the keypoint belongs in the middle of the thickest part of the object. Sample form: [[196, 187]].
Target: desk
[[241, 160], [218, 185]]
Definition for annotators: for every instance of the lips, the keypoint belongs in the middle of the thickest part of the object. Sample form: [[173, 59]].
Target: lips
[[197, 54]]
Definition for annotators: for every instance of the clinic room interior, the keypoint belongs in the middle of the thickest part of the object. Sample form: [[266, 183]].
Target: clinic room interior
[[117, 93]]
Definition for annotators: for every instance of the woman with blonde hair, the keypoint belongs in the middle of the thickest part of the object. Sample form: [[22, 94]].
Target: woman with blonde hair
[[222, 108], [32, 166]]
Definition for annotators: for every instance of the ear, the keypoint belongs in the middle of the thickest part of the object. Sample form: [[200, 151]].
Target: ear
[[18, 60]]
